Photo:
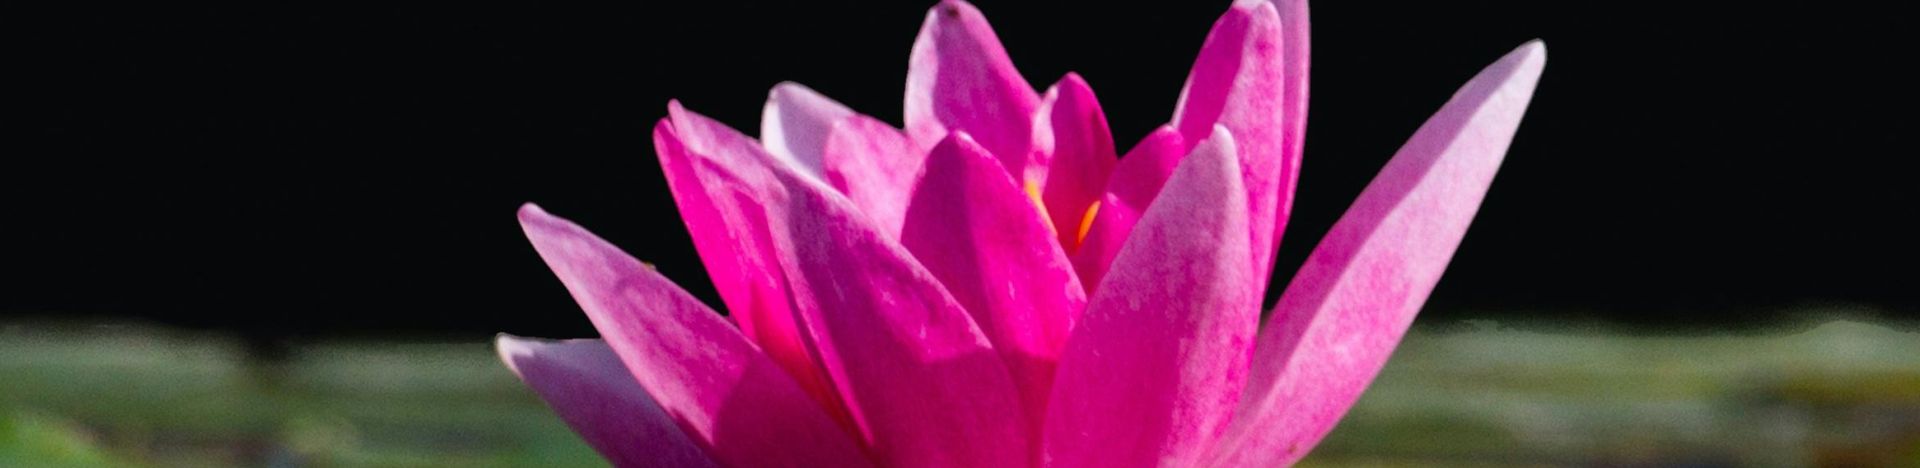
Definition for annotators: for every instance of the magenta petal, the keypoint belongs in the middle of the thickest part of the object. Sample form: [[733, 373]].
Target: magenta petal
[[1156, 364], [1105, 236], [959, 78], [585, 382], [1360, 288], [981, 237], [795, 123], [1135, 180], [1071, 138], [921, 383], [875, 166], [725, 394], [1240, 81], [1296, 52], [730, 231]]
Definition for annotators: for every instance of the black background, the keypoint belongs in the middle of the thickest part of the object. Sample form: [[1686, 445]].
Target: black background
[[320, 170]]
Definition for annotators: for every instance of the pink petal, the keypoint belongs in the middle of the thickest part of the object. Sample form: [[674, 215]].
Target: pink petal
[[922, 384], [875, 165], [1155, 366], [795, 123], [959, 78], [1071, 138], [980, 236], [1294, 73], [1360, 288], [1242, 80], [1135, 181], [725, 395], [584, 381], [729, 230]]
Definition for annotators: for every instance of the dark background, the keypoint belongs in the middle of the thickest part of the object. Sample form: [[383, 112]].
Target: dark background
[[301, 171]]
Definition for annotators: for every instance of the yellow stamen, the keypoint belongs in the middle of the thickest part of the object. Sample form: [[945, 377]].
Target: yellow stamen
[[1033, 193], [1086, 224]]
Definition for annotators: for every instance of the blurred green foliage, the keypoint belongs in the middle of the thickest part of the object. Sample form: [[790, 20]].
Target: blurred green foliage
[[1838, 394]]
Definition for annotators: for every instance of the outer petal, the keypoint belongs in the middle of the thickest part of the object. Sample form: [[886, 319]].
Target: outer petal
[[1135, 181], [1156, 364], [730, 231], [795, 123], [922, 384], [875, 165], [585, 382], [1071, 139], [1358, 291], [959, 78], [1295, 70], [980, 236], [1240, 81], [725, 395]]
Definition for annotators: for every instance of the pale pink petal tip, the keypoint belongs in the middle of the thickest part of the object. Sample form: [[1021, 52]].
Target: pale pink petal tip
[[795, 124], [585, 383], [1359, 290]]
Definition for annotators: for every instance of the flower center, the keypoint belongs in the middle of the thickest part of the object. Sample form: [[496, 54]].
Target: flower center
[[1033, 194], [1086, 224], [1086, 218]]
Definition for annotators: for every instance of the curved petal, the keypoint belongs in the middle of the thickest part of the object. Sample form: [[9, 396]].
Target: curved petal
[[1360, 288], [795, 122], [725, 395], [1155, 366], [875, 166], [959, 78], [591, 390], [1135, 181], [980, 237], [1071, 140], [1295, 69], [1240, 81], [920, 381], [729, 230]]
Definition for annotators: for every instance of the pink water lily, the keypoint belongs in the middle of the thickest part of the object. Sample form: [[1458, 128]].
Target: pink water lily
[[992, 286]]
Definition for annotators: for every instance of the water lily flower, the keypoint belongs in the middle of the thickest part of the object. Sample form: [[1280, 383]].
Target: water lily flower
[[993, 286]]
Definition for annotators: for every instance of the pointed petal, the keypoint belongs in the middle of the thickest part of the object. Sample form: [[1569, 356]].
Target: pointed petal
[[959, 78], [1071, 138], [1155, 366], [795, 123], [1136, 179], [1296, 53], [921, 383], [875, 165], [725, 394], [979, 235], [921, 379], [591, 390], [1360, 288], [729, 230], [1240, 81]]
